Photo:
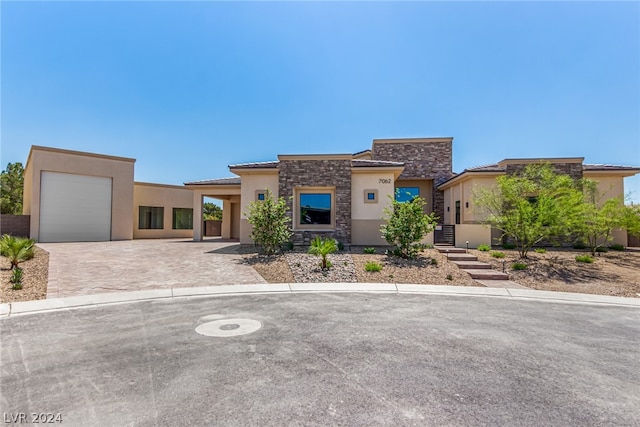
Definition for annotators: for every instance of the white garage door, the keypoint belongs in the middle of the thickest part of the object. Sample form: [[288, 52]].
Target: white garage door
[[74, 208]]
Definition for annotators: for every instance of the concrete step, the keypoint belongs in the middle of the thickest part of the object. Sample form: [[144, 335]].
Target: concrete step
[[472, 265], [462, 257], [451, 249], [486, 274]]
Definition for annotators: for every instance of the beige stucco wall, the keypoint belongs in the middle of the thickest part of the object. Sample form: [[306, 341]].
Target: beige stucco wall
[[476, 234], [158, 195], [608, 186], [250, 184], [119, 169], [366, 218]]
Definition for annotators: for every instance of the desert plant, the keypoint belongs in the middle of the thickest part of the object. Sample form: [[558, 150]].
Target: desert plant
[[484, 248], [16, 249], [497, 254], [16, 278], [369, 250], [540, 250], [270, 222], [601, 249], [584, 258], [449, 277], [508, 245], [519, 266], [340, 245], [407, 224], [323, 247], [372, 267], [616, 247], [434, 262]]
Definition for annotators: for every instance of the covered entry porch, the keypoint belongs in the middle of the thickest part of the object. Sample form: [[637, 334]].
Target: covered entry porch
[[225, 189]]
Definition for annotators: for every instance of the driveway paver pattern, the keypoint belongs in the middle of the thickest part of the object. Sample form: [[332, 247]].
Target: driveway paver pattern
[[85, 268]]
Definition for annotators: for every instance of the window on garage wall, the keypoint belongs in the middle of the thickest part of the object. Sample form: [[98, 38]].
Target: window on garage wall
[[182, 219], [151, 218]]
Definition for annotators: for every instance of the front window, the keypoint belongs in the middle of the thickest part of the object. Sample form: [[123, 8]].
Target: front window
[[407, 194], [150, 218], [315, 208], [182, 219]]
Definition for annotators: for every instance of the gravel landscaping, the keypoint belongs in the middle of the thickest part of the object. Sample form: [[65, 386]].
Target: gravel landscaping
[[34, 282]]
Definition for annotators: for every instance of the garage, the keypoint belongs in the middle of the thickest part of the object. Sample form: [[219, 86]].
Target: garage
[[74, 208]]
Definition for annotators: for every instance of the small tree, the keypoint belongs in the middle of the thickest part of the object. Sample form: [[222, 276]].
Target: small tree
[[11, 187], [407, 224], [323, 247], [599, 218], [632, 219], [16, 249], [536, 205], [270, 223]]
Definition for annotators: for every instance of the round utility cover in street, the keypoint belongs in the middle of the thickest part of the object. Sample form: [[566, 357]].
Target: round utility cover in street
[[228, 327]]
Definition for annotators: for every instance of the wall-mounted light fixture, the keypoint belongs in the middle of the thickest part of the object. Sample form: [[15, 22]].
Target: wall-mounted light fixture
[[447, 208], [466, 204]]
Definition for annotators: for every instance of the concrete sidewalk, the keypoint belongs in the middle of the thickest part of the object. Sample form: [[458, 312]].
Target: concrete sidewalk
[[86, 268], [95, 300]]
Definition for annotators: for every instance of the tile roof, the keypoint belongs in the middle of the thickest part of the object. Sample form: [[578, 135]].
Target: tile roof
[[235, 180], [360, 163], [485, 168], [256, 165], [609, 168]]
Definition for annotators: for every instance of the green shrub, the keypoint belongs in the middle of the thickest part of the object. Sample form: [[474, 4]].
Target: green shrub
[[271, 225], [287, 246], [601, 249], [428, 246], [579, 244], [449, 277], [484, 248], [540, 250], [16, 278], [616, 247], [434, 262], [323, 247], [508, 245], [372, 267], [406, 224], [369, 250], [497, 254], [584, 258], [340, 246], [519, 266]]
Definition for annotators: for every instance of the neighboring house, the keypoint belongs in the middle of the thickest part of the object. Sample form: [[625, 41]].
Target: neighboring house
[[75, 196]]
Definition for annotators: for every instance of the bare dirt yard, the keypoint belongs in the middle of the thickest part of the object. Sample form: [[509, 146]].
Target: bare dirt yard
[[611, 273]]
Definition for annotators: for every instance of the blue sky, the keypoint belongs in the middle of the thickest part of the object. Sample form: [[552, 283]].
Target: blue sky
[[187, 88]]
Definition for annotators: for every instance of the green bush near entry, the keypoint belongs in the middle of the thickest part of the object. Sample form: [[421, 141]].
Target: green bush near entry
[[497, 254], [584, 258], [484, 248], [372, 267], [369, 250], [519, 266]]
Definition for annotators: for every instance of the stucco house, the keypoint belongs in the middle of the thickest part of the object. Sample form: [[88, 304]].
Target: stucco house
[[77, 196]]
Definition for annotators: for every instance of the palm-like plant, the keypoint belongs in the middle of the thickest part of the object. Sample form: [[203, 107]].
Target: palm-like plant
[[16, 249], [323, 248]]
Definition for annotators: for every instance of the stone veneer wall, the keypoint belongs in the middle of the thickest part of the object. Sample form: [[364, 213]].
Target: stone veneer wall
[[423, 160], [319, 173], [574, 170]]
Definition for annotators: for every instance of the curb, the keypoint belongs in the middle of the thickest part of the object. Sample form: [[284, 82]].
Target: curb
[[96, 300]]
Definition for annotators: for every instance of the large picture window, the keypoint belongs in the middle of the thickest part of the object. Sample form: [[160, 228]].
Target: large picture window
[[407, 194], [314, 208], [150, 218], [182, 219]]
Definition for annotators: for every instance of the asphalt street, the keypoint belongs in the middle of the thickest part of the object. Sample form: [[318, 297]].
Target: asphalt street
[[325, 359]]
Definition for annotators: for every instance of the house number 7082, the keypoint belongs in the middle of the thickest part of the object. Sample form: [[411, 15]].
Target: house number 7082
[[384, 181]]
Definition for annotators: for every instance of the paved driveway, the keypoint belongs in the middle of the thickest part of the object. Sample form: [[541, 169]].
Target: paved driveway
[[326, 359], [94, 267]]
